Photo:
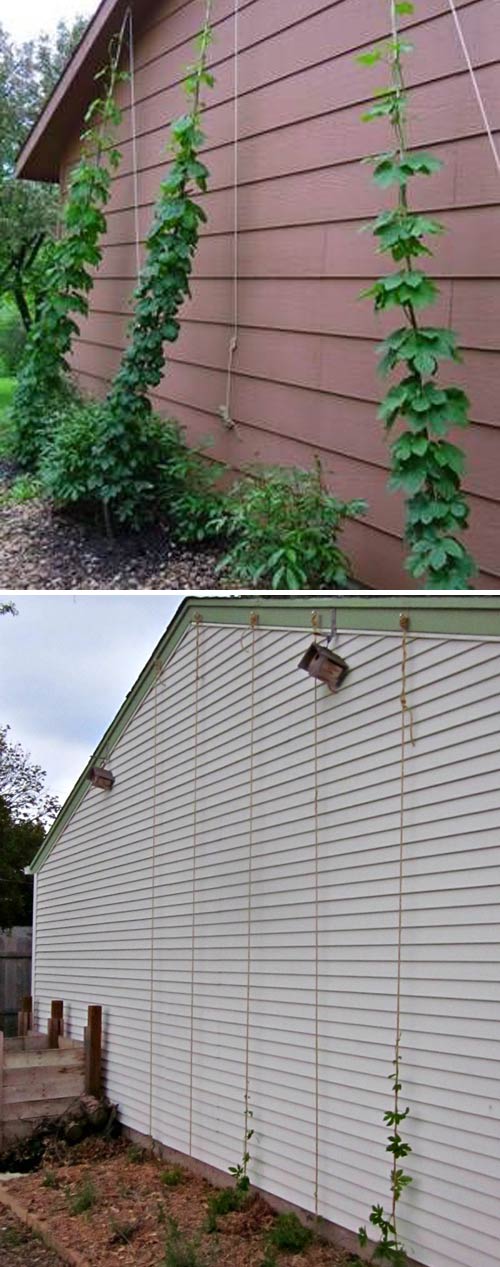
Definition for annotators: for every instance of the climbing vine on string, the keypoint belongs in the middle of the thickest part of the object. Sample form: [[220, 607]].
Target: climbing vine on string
[[425, 464], [163, 286], [43, 379]]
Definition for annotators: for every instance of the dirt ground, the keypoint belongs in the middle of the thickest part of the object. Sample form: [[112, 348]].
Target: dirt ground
[[129, 1213], [42, 550], [19, 1247]]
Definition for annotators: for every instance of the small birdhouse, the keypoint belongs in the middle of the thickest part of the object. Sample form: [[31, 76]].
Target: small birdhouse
[[325, 665], [99, 777]]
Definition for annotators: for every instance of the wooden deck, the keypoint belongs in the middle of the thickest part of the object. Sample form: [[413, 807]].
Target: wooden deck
[[37, 1082]]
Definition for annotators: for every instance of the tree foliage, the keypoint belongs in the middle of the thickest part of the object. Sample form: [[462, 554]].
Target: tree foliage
[[28, 210], [19, 842], [22, 784], [26, 810], [425, 464]]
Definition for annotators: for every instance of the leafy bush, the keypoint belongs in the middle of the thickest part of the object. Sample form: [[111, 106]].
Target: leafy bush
[[284, 525], [289, 1234], [169, 480], [12, 339]]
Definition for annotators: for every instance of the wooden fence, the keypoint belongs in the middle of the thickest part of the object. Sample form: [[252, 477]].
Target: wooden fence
[[42, 1075], [15, 975]]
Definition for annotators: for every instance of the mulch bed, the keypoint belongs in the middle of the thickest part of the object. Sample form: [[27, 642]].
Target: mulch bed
[[43, 550], [21, 1248], [129, 1222]]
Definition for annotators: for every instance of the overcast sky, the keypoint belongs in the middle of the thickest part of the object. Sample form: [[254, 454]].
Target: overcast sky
[[24, 19], [66, 664]]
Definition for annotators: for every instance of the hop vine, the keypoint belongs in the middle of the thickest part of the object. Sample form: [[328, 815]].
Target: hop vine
[[389, 1246], [425, 465], [163, 286], [43, 379]]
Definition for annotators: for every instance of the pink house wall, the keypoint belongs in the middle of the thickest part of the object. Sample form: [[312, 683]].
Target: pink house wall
[[305, 378]]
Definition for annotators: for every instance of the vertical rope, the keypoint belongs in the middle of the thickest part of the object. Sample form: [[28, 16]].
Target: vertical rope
[[316, 949], [225, 410], [254, 621], [135, 164], [406, 714], [153, 886], [193, 873], [475, 85]]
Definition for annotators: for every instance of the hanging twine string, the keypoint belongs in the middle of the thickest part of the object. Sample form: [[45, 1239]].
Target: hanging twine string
[[135, 164], [406, 717], [225, 410], [193, 906], [475, 85], [254, 625], [316, 950], [153, 886]]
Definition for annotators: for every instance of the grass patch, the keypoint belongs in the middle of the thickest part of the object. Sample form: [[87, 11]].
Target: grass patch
[[172, 1177], [23, 489], [181, 1252], [83, 1198], [7, 388], [289, 1234]]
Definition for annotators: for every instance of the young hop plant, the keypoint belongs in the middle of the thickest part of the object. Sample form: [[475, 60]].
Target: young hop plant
[[163, 287], [389, 1247], [425, 465], [43, 380]]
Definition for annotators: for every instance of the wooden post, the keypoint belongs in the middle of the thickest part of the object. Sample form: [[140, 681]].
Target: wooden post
[[93, 1036], [25, 1016], [56, 1022]]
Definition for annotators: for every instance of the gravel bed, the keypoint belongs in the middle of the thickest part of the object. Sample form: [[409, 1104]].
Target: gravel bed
[[40, 549]]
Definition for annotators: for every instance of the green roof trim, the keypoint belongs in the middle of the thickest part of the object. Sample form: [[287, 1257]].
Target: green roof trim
[[473, 615]]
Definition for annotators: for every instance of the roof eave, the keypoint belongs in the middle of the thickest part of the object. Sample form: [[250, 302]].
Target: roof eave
[[42, 152], [446, 614]]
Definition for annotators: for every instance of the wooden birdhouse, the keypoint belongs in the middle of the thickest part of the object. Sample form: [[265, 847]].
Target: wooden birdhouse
[[99, 777], [325, 665]]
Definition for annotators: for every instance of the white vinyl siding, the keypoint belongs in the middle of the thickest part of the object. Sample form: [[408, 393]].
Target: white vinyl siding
[[100, 938]]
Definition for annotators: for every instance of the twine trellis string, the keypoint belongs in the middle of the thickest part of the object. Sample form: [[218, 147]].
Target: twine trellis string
[[158, 675], [198, 621], [251, 780]]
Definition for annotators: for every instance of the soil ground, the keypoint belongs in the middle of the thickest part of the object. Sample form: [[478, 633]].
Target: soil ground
[[19, 1247], [128, 1219], [43, 550]]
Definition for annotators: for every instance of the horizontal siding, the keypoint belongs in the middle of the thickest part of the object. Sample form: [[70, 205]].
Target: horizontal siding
[[306, 346], [172, 974]]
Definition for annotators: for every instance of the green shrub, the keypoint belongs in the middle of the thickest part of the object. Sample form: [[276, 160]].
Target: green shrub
[[170, 481], [289, 1234], [284, 525], [12, 339]]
